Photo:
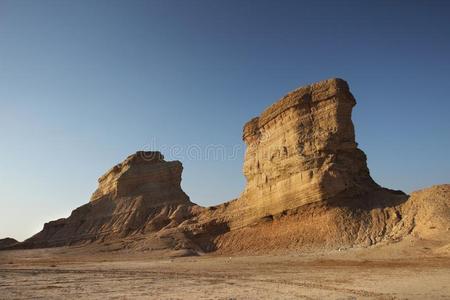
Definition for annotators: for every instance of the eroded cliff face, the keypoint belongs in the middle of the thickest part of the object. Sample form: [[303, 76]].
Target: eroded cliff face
[[140, 195], [381, 217], [146, 175], [300, 150], [309, 187]]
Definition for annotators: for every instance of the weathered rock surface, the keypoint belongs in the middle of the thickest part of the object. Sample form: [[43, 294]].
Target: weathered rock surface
[[345, 223], [146, 175], [140, 195], [301, 150]]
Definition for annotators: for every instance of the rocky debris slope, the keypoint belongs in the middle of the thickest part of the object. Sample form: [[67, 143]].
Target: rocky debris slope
[[140, 195], [345, 222], [302, 150]]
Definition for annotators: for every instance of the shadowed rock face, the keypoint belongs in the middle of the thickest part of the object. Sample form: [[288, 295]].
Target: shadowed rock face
[[140, 195], [146, 175], [308, 185]]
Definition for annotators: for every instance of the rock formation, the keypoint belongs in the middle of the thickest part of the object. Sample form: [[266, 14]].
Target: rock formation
[[308, 187], [7, 243], [301, 150], [140, 195], [305, 142], [143, 175]]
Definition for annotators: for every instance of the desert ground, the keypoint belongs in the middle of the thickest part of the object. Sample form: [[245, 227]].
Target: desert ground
[[398, 271]]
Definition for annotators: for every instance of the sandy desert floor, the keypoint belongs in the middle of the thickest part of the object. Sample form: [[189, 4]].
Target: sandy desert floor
[[352, 274]]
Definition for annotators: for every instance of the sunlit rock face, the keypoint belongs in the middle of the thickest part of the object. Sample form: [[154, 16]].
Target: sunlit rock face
[[308, 187], [144, 174], [302, 150]]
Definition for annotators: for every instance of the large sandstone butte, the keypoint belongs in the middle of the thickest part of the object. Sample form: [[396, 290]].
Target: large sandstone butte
[[301, 150], [308, 186]]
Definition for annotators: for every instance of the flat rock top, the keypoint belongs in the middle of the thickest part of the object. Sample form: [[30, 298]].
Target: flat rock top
[[143, 169], [315, 92], [139, 158]]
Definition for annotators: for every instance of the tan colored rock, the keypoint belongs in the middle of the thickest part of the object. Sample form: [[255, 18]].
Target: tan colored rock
[[426, 214], [308, 187], [303, 147], [140, 195], [301, 150], [144, 174]]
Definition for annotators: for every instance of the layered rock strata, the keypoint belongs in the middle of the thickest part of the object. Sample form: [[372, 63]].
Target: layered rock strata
[[300, 150], [308, 186]]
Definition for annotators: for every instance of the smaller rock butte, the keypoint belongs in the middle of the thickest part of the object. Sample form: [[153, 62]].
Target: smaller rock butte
[[146, 175], [302, 149], [308, 186], [140, 195]]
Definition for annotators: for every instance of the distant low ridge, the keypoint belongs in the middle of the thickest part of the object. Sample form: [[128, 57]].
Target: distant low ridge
[[308, 187], [7, 243]]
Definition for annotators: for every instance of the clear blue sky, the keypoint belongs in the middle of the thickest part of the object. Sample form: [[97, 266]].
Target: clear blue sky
[[83, 84]]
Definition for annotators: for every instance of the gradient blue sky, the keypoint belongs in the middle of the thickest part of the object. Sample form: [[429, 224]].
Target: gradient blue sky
[[83, 84]]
